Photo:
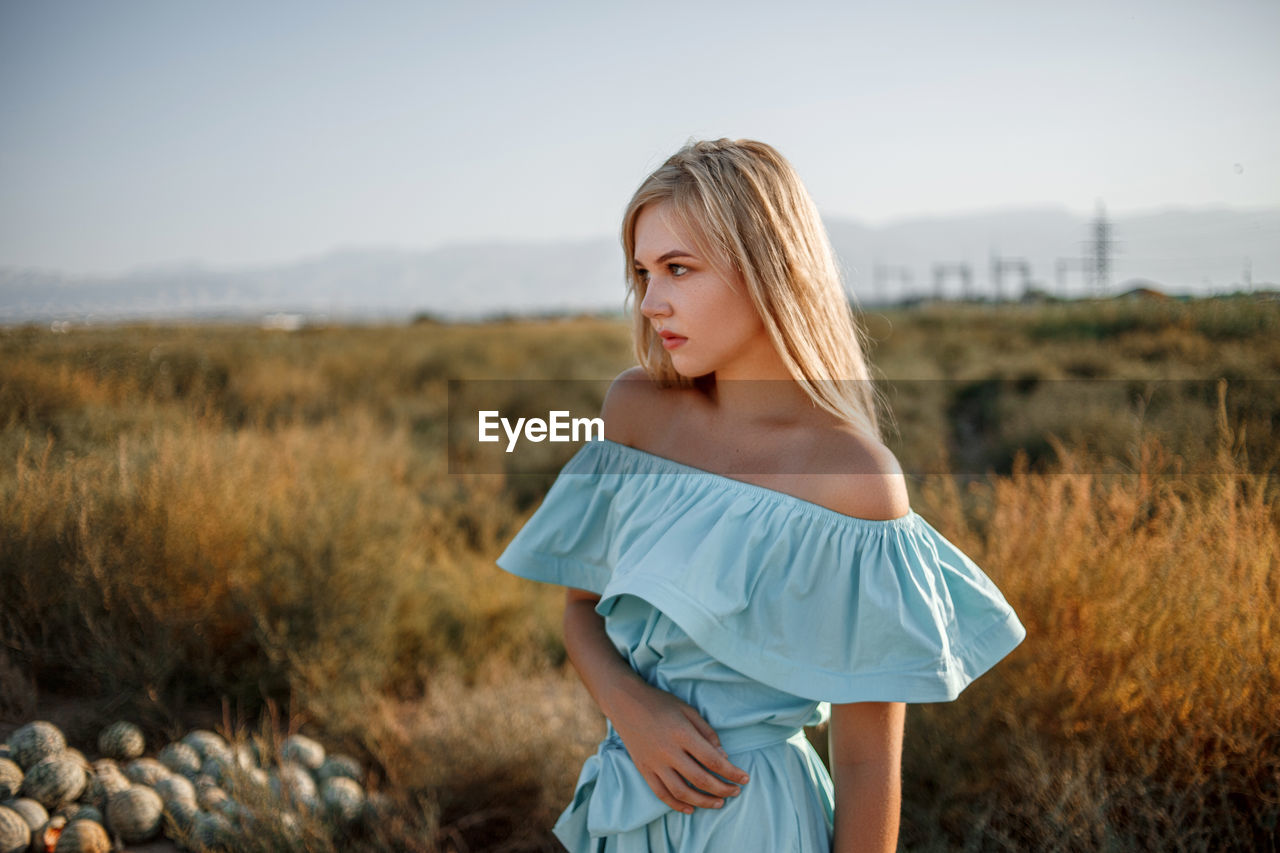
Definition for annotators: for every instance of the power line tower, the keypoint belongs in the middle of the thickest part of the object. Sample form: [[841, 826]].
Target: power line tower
[[884, 274], [941, 272], [1000, 266], [1098, 252]]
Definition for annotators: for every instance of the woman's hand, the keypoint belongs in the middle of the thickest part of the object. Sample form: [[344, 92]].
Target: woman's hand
[[670, 743], [674, 748]]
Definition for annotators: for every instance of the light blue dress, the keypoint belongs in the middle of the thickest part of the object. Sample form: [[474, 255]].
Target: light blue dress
[[758, 609]]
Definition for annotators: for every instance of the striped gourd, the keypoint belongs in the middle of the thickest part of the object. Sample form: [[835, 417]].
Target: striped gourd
[[135, 814], [181, 758], [106, 780], [179, 815], [32, 812], [209, 796], [82, 812], [34, 742], [122, 741], [176, 787], [103, 765], [212, 829], [78, 757], [15, 833], [218, 769], [304, 750], [54, 782], [10, 779], [83, 836], [292, 783], [146, 771], [208, 744], [338, 765], [343, 800]]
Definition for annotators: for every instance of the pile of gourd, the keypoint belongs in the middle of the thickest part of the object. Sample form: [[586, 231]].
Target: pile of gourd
[[202, 792]]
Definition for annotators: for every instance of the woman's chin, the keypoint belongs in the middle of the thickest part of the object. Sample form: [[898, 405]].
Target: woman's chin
[[687, 369]]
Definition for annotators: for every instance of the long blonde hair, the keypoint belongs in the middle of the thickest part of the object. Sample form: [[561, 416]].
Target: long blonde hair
[[749, 209]]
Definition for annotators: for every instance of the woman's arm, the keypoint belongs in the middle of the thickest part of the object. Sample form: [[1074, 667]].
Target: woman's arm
[[866, 766], [665, 736]]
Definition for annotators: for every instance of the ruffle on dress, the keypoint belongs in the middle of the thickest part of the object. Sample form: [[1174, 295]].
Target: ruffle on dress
[[799, 597]]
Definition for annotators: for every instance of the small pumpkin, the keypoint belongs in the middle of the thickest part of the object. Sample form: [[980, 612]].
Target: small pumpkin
[[15, 832], [54, 782], [83, 836], [46, 837], [32, 743], [135, 814], [122, 741]]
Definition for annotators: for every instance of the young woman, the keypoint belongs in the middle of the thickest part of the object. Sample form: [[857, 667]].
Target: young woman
[[739, 550]]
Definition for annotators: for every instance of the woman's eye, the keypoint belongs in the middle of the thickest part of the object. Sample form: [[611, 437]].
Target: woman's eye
[[677, 269], [643, 275]]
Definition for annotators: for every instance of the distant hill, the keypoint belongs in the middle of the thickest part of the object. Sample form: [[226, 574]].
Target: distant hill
[[1176, 251]]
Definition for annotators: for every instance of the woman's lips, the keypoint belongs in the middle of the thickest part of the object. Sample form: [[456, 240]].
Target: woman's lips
[[672, 341]]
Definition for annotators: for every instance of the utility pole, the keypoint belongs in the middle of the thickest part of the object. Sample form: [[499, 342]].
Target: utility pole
[[1000, 266], [941, 272], [883, 274]]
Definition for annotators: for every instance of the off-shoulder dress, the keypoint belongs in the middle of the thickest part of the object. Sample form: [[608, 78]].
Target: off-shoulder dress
[[759, 609]]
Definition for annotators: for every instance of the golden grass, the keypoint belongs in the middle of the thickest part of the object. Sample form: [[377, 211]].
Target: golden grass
[[199, 513]]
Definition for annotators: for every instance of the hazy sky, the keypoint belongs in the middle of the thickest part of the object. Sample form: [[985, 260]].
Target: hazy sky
[[140, 133]]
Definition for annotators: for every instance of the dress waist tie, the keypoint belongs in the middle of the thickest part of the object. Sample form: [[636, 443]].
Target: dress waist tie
[[612, 797]]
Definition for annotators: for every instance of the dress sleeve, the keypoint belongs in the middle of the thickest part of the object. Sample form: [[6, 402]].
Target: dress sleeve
[[566, 539]]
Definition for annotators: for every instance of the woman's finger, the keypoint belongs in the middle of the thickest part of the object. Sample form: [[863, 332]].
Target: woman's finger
[[697, 775], [718, 762], [664, 793], [703, 727], [681, 790]]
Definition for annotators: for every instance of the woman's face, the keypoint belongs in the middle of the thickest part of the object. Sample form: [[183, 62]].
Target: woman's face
[[685, 294]]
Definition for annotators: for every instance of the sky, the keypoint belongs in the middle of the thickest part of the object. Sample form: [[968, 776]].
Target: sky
[[153, 133]]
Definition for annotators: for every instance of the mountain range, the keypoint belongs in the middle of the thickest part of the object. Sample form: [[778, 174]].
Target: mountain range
[[1194, 251]]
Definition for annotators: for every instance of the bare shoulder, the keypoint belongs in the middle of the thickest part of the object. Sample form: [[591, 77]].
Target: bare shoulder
[[874, 487], [630, 406]]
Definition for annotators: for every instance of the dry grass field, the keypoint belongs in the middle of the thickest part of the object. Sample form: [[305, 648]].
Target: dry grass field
[[238, 528]]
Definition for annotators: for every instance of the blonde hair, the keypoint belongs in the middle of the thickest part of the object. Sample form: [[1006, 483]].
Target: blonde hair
[[748, 208]]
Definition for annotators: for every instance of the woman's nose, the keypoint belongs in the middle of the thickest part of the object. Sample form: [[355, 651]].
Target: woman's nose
[[654, 304]]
